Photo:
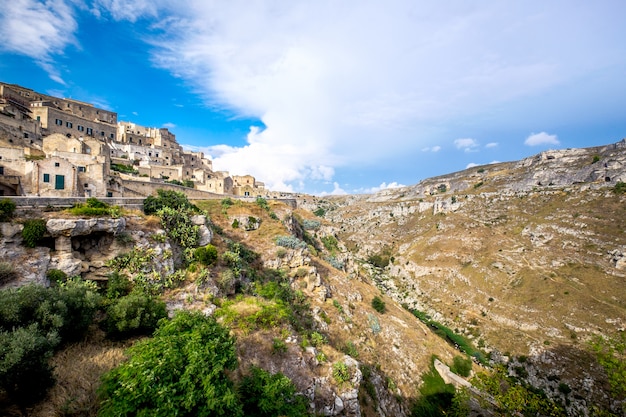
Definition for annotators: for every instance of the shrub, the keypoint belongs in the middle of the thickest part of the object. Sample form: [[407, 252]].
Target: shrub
[[56, 275], [261, 202], [165, 198], [267, 395], [330, 243], [235, 224], [379, 261], [596, 158], [7, 272], [311, 224], [461, 366], [134, 314], [118, 285], [127, 169], [7, 208], [620, 188], [181, 371], [350, 349], [33, 232], [25, 374], [290, 242], [206, 255], [319, 212], [379, 305], [341, 372]]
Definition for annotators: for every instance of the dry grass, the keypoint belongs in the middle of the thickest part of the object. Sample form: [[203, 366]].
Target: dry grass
[[78, 369]]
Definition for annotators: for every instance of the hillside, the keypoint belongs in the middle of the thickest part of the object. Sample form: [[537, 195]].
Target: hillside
[[517, 266]]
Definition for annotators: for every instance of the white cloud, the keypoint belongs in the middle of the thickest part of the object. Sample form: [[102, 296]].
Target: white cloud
[[436, 148], [542, 138], [382, 186], [337, 190], [471, 165], [38, 30], [491, 145], [466, 144], [169, 125]]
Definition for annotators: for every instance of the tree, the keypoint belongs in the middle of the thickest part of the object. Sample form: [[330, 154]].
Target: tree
[[179, 372], [134, 314], [25, 374]]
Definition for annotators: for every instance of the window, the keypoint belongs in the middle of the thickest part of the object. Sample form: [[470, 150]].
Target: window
[[89, 131], [57, 164], [46, 177], [101, 133], [81, 169], [68, 124], [86, 185], [25, 135], [39, 118], [80, 128], [1, 170], [58, 122], [59, 182], [112, 135]]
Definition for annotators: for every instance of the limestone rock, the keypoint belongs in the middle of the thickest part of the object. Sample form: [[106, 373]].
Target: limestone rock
[[78, 227]]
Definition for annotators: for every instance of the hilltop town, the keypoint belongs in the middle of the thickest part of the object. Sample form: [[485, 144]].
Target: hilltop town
[[59, 147]]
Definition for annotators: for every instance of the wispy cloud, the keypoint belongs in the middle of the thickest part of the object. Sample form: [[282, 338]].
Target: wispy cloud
[[436, 148], [383, 186], [542, 138], [491, 145], [39, 30], [169, 125], [466, 144]]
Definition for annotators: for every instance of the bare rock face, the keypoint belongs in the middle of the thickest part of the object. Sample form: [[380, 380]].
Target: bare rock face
[[78, 227], [205, 233]]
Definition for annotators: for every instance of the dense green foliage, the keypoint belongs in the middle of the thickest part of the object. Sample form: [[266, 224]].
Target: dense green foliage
[[184, 183], [34, 321], [126, 169], [56, 276], [7, 208], [379, 260], [118, 285], [134, 314], [165, 198], [33, 232], [95, 207], [461, 366], [181, 371], [25, 374], [206, 255], [267, 395], [379, 305]]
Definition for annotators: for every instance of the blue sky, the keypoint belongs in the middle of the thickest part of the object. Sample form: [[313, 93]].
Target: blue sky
[[335, 97]]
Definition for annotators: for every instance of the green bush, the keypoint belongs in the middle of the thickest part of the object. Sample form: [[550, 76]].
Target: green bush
[[267, 395], [261, 202], [33, 232], [206, 255], [56, 275], [330, 243], [181, 371], [311, 224], [620, 188], [7, 272], [379, 305], [165, 198], [25, 374], [127, 169], [118, 285], [134, 314], [7, 208], [461, 366], [341, 372], [319, 212], [379, 261]]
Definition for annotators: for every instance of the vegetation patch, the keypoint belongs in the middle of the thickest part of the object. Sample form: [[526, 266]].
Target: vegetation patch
[[33, 232], [7, 208]]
